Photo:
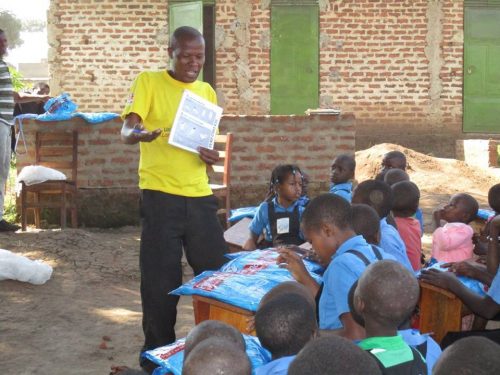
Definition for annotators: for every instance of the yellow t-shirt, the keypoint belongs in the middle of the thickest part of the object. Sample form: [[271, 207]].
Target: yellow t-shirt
[[155, 97]]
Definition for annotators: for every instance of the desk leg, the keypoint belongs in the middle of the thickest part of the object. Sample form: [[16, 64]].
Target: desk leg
[[201, 311]]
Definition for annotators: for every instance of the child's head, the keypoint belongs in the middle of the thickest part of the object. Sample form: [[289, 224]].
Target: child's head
[[462, 208], [376, 194], [285, 324], [343, 167], [288, 287], [217, 356], [213, 328], [366, 223], [406, 198], [387, 294], [333, 355], [494, 198], [471, 355], [394, 160], [395, 175], [325, 221], [286, 183]]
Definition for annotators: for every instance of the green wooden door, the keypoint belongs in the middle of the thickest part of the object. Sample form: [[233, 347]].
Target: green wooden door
[[482, 66], [186, 14], [294, 59]]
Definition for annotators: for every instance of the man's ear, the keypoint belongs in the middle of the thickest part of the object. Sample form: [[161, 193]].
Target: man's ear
[[170, 51]]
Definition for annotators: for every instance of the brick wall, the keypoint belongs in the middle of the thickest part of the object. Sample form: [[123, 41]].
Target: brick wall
[[107, 169]]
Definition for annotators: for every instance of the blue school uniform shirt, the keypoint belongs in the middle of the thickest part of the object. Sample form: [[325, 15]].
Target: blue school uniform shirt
[[414, 338], [494, 291], [340, 275], [260, 221], [277, 367], [343, 190], [420, 217], [391, 242]]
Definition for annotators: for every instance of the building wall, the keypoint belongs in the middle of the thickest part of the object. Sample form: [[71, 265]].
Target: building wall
[[395, 64], [107, 168]]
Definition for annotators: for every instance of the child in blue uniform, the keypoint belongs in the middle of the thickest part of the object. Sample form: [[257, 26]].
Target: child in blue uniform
[[343, 168], [279, 216]]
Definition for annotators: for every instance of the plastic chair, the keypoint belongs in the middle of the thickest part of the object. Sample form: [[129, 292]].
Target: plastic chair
[[58, 151], [222, 172]]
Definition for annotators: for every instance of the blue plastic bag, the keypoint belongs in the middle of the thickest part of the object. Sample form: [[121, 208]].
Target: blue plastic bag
[[239, 213], [171, 357], [485, 214]]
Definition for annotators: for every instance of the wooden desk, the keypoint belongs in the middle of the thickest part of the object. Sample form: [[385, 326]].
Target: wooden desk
[[440, 311], [209, 309]]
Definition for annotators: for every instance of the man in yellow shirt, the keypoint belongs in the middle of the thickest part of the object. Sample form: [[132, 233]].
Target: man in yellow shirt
[[178, 209]]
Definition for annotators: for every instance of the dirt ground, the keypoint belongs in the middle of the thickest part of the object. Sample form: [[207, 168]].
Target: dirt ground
[[87, 317]]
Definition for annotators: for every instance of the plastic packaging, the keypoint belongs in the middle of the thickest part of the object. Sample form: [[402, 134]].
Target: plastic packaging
[[17, 267], [171, 357], [35, 174], [239, 213]]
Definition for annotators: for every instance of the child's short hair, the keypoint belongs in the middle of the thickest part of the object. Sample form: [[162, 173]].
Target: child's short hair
[[395, 175], [470, 204], [347, 160], [471, 355], [366, 222], [333, 355], [279, 174], [209, 329], [396, 155], [288, 287], [494, 198], [285, 324], [389, 291], [376, 194], [216, 356], [330, 209], [406, 198]]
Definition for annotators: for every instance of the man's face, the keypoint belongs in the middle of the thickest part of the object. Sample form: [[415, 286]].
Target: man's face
[[3, 44], [188, 56]]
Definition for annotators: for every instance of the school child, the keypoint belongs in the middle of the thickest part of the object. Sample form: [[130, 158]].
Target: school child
[[406, 199], [378, 195], [453, 241], [472, 355], [327, 224], [487, 307], [342, 172], [284, 325], [480, 242], [279, 216], [333, 355], [394, 176], [385, 297], [366, 223], [209, 329], [216, 356], [391, 160]]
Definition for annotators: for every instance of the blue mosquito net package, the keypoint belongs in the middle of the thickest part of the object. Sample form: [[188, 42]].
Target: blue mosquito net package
[[171, 357], [474, 285]]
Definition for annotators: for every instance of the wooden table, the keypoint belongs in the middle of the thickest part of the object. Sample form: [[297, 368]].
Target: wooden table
[[440, 311], [210, 309]]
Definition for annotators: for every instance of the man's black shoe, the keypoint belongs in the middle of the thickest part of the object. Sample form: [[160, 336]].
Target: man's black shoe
[[8, 227]]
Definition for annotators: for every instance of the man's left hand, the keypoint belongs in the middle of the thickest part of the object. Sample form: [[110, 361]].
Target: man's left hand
[[208, 156]]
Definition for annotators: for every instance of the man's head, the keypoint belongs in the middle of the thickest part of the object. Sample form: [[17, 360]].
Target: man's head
[[217, 356], [366, 223], [343, 167], [333, 355], [494, 198], [187, 51], [41, 88], [213, 328], [4, 44], [376, 194], [394, 159], [395, 175], [471, 355], [325, 221], [285, 324], [406, 198], [387, 294]]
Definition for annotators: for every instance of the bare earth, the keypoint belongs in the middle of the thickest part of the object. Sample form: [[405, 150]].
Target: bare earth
[[87, 317]]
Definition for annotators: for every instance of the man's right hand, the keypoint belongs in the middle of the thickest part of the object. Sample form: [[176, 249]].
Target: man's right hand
[[133, 131]]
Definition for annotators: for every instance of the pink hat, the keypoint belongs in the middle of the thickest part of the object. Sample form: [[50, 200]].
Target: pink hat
[[452, 242]]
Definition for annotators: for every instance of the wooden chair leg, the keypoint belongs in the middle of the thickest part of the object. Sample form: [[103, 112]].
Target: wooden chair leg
[[74, 213], [63, 207], [37, 209], [228, 209], [24, 210]]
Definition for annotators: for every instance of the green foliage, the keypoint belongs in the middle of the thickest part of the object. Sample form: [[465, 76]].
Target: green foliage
[[17, 80], [12, 26]]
